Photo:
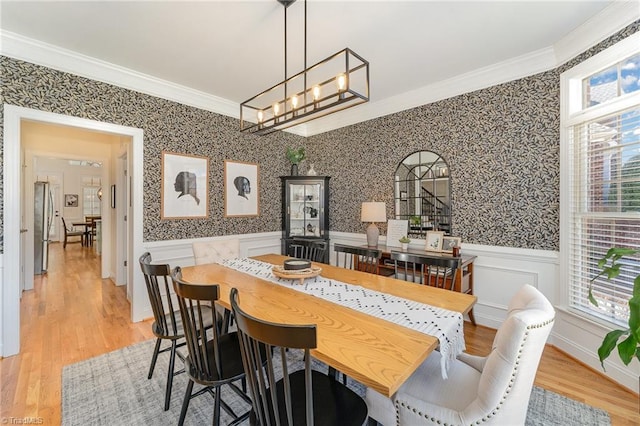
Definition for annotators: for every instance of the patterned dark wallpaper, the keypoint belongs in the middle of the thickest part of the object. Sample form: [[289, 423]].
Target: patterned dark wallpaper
[[502, 146], [501, 143], [167, 126]]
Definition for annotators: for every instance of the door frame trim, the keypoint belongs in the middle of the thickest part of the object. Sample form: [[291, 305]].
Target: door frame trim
[[10, 294]]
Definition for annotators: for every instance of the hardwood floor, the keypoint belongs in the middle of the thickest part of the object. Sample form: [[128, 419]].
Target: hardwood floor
[[72, 315]]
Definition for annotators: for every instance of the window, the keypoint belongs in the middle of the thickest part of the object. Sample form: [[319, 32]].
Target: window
[[600, 176], [90, 201]]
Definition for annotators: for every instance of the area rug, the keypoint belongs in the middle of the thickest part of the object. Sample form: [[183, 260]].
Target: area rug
[[112, 389]]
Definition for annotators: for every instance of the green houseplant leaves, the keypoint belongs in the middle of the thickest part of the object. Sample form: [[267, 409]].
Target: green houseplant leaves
[[629, 347], [295, 156]]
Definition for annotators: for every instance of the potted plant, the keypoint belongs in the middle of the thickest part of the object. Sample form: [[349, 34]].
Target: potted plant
[[404, 242], [295, 156], [629, 347]]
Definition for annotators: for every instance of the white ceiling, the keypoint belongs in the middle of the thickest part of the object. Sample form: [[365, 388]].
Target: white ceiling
[[234, 49]]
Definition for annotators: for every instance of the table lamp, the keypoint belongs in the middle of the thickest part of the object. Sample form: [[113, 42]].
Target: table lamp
[[373, 211]]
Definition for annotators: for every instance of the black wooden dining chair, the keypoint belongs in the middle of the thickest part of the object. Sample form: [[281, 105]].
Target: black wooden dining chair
[[313, 250], [167, 324], [436, 271], [282, 397], [359, 258], [214, 359]]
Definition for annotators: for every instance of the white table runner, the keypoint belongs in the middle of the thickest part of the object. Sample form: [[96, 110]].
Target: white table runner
[[446, 325]]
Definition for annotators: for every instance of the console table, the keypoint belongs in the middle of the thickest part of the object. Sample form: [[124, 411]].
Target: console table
[[464, 280]]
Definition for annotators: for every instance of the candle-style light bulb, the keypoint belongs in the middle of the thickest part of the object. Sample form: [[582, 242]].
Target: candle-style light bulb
[[276, 108], [341, 81], [260, 116], [316, 92], [294, 102]]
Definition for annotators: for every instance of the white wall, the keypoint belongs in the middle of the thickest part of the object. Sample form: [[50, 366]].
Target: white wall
[[74, 180], [45, 145]]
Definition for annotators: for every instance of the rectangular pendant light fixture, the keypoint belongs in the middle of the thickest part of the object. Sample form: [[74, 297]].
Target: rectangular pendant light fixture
[[333, 84]]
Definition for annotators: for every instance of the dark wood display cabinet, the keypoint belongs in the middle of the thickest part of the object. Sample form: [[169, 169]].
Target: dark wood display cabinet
[[305, 210]]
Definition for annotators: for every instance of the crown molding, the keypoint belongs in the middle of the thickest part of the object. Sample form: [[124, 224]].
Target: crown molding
[[613, 18], [502, 72], [29, 50]]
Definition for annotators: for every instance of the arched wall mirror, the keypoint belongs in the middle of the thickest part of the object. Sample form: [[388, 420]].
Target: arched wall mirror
[[422, 193]]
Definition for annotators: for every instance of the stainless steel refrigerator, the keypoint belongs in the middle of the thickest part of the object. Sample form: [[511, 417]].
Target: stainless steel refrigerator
[[43, 217]]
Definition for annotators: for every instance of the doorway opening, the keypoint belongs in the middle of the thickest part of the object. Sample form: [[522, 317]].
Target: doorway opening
[[14, 156]]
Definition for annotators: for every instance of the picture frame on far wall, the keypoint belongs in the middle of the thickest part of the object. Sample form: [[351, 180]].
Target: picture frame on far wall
[[241, 189], [71, 200], [434, 241], [185, 180], [448, 243]]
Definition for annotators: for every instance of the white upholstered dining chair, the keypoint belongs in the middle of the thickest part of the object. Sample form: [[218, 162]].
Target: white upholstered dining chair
[[215, 251], [491, 390]]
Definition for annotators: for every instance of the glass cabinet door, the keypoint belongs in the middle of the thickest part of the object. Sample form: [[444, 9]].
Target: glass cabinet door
[[305, 210]]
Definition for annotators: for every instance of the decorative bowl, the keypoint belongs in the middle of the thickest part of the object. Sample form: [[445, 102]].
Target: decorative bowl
[[296, 264]]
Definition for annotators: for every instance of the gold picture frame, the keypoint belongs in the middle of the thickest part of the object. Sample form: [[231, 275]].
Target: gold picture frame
[[241, 189], [434, 241], [185, 186]]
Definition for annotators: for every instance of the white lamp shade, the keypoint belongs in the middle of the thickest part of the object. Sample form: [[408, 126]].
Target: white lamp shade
[[374, 211]]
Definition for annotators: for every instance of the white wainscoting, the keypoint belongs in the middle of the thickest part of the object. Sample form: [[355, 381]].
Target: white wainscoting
[[179, 253], [498, 273]]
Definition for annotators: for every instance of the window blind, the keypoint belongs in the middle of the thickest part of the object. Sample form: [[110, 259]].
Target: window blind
[[604, 170]]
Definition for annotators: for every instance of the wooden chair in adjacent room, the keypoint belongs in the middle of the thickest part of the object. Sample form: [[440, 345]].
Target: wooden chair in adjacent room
[[167, 323], [69, 233], [214, 359], [491, 390], [436, 271], [302, 397], [91, 229], [313, 250], [359, 258]]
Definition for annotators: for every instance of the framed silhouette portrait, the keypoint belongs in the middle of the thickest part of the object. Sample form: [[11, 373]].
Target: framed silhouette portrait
[[241, 189], [184, 186]]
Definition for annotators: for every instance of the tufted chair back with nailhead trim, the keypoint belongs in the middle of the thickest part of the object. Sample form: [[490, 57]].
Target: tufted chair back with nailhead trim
[[215, 251], [498, 385]]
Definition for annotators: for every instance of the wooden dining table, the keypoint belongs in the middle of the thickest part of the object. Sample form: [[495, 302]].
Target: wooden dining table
[[373, 351], [85, 232]]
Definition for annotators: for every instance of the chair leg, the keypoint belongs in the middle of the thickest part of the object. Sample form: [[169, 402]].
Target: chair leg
[[154, 358], [172, 363], [185, 403], [216, 408]]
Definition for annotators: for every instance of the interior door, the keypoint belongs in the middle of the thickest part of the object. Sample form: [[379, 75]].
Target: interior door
[[119, 195], [54, 232]]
